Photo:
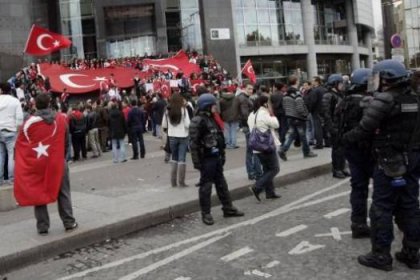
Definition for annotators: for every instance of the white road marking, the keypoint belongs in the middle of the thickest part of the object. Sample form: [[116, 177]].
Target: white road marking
[[237, 254], [183, 278], [172, 258], [257, 273], [291, 231], [140, 179], [305, 247], [271, 264], [336, 213], [335, 233], [282, 210]]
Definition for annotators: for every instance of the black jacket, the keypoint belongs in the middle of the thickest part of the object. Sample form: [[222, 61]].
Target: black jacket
[[92, 120], [117, 124], [244, 107], [390, 120], [277, 103], [313, 100], [136, 119], [206, 139], [330, 100]]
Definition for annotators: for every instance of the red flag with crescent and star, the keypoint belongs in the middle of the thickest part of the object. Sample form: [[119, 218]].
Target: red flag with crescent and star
[[43, 42], [248, 71], [39, 161]]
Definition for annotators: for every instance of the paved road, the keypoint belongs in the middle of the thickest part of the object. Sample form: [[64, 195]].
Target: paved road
[[303, 235]]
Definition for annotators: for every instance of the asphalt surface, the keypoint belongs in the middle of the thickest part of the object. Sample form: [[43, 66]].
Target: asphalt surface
[[303, 235]]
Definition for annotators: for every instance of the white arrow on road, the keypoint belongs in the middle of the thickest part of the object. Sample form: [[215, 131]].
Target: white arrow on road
[[335, 233], [305, 247]]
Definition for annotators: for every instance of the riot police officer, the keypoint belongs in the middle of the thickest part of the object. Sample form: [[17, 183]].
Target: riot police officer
[[207, 145], [349, 113], [392, 121], [329, 103]]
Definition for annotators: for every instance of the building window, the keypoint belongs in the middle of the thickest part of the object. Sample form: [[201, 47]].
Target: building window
[[130, 30], [183, 25], [78, 23], [268, 23], [330, 23]]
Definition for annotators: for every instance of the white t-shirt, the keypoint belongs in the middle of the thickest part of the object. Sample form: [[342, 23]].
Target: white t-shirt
[[11, 114]]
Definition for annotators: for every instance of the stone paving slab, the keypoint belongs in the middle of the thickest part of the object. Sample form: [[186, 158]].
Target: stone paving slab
[[102, 216]]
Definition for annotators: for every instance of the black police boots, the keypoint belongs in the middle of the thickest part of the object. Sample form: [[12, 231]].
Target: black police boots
[[207, 218], [378, 258], [232, 212], [360, 231], [339, 174], [409, 256]]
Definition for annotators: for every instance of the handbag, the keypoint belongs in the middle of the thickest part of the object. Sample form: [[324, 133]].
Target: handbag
[[262, 142]]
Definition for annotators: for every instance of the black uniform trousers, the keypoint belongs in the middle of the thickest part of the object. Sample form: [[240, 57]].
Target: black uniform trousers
[[401, 202], [212, 172], [361, 164]]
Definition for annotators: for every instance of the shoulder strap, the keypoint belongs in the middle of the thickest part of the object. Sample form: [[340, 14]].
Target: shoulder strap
[[256, 114]]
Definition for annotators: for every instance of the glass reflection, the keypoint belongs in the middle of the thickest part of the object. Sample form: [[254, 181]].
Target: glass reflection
[[268, 23], [330, 23]]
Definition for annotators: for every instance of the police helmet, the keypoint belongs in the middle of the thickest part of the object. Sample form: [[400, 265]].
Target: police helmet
[[334, 80], [390, 70], [205, 100], [361, 76]]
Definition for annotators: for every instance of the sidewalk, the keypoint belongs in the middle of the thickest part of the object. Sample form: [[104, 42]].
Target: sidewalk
[[111, 200]]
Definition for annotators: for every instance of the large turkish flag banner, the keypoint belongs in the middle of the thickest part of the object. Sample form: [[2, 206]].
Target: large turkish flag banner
[[42, 41], [89, 80], [39, 161], [176, 64]]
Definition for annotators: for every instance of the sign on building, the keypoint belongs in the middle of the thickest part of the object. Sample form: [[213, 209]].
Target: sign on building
[[220, 34]]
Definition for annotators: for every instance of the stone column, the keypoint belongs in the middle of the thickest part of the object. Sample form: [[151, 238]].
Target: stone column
[[352, 34], [308, 30], [368, 40]]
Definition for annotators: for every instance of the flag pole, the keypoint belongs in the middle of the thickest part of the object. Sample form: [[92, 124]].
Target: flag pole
[[27, 40]]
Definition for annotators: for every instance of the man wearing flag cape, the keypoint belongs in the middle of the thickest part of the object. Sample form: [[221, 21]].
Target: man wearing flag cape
[[42, 175]]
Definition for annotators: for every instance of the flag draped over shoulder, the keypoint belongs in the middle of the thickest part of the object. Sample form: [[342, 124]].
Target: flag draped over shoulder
[[39, 161], [43, 42]]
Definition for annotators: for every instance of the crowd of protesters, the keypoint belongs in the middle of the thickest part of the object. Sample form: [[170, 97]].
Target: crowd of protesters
[[117, 116]]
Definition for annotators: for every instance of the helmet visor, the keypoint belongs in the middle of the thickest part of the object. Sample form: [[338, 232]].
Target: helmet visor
[[373, 82]]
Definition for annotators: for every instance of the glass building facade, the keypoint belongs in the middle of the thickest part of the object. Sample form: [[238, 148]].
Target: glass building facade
[[77, 20], [412, 32], [183, 25], [284, 37]]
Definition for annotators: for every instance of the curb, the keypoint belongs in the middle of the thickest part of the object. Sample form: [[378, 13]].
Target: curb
[[127, 226]]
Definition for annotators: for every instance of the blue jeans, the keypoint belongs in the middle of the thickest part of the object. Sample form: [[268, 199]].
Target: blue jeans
[[118, 150], [310, 130], [252, 162], [230, 134], [300, 127], [7, 146], [179, 147]]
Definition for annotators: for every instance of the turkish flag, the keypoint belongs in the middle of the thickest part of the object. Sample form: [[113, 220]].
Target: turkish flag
[[178, 63], [195, 84], [39, 161], [42, 41], [163, 87], [89, 80], [248, 71]]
